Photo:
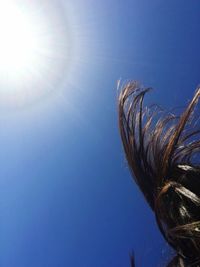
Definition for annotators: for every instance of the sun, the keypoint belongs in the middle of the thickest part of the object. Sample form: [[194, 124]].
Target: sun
[[34, 49], [19, 43]]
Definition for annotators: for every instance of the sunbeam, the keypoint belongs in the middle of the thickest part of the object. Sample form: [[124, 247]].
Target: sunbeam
[[34, 50]]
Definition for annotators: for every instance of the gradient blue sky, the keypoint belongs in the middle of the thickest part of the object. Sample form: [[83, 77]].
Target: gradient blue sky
[[66, 195]]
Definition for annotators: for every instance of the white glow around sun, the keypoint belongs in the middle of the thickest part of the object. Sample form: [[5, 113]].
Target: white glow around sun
[[19, 41], [34, 49]]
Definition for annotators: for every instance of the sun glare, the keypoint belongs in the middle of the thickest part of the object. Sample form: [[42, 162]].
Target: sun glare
[[19, 43], [33, 48]]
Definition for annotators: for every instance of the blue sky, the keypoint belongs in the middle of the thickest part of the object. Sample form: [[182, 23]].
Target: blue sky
[[66, 195]]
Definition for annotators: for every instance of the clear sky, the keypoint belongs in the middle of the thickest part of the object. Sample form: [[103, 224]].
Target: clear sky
[[66, 195]]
